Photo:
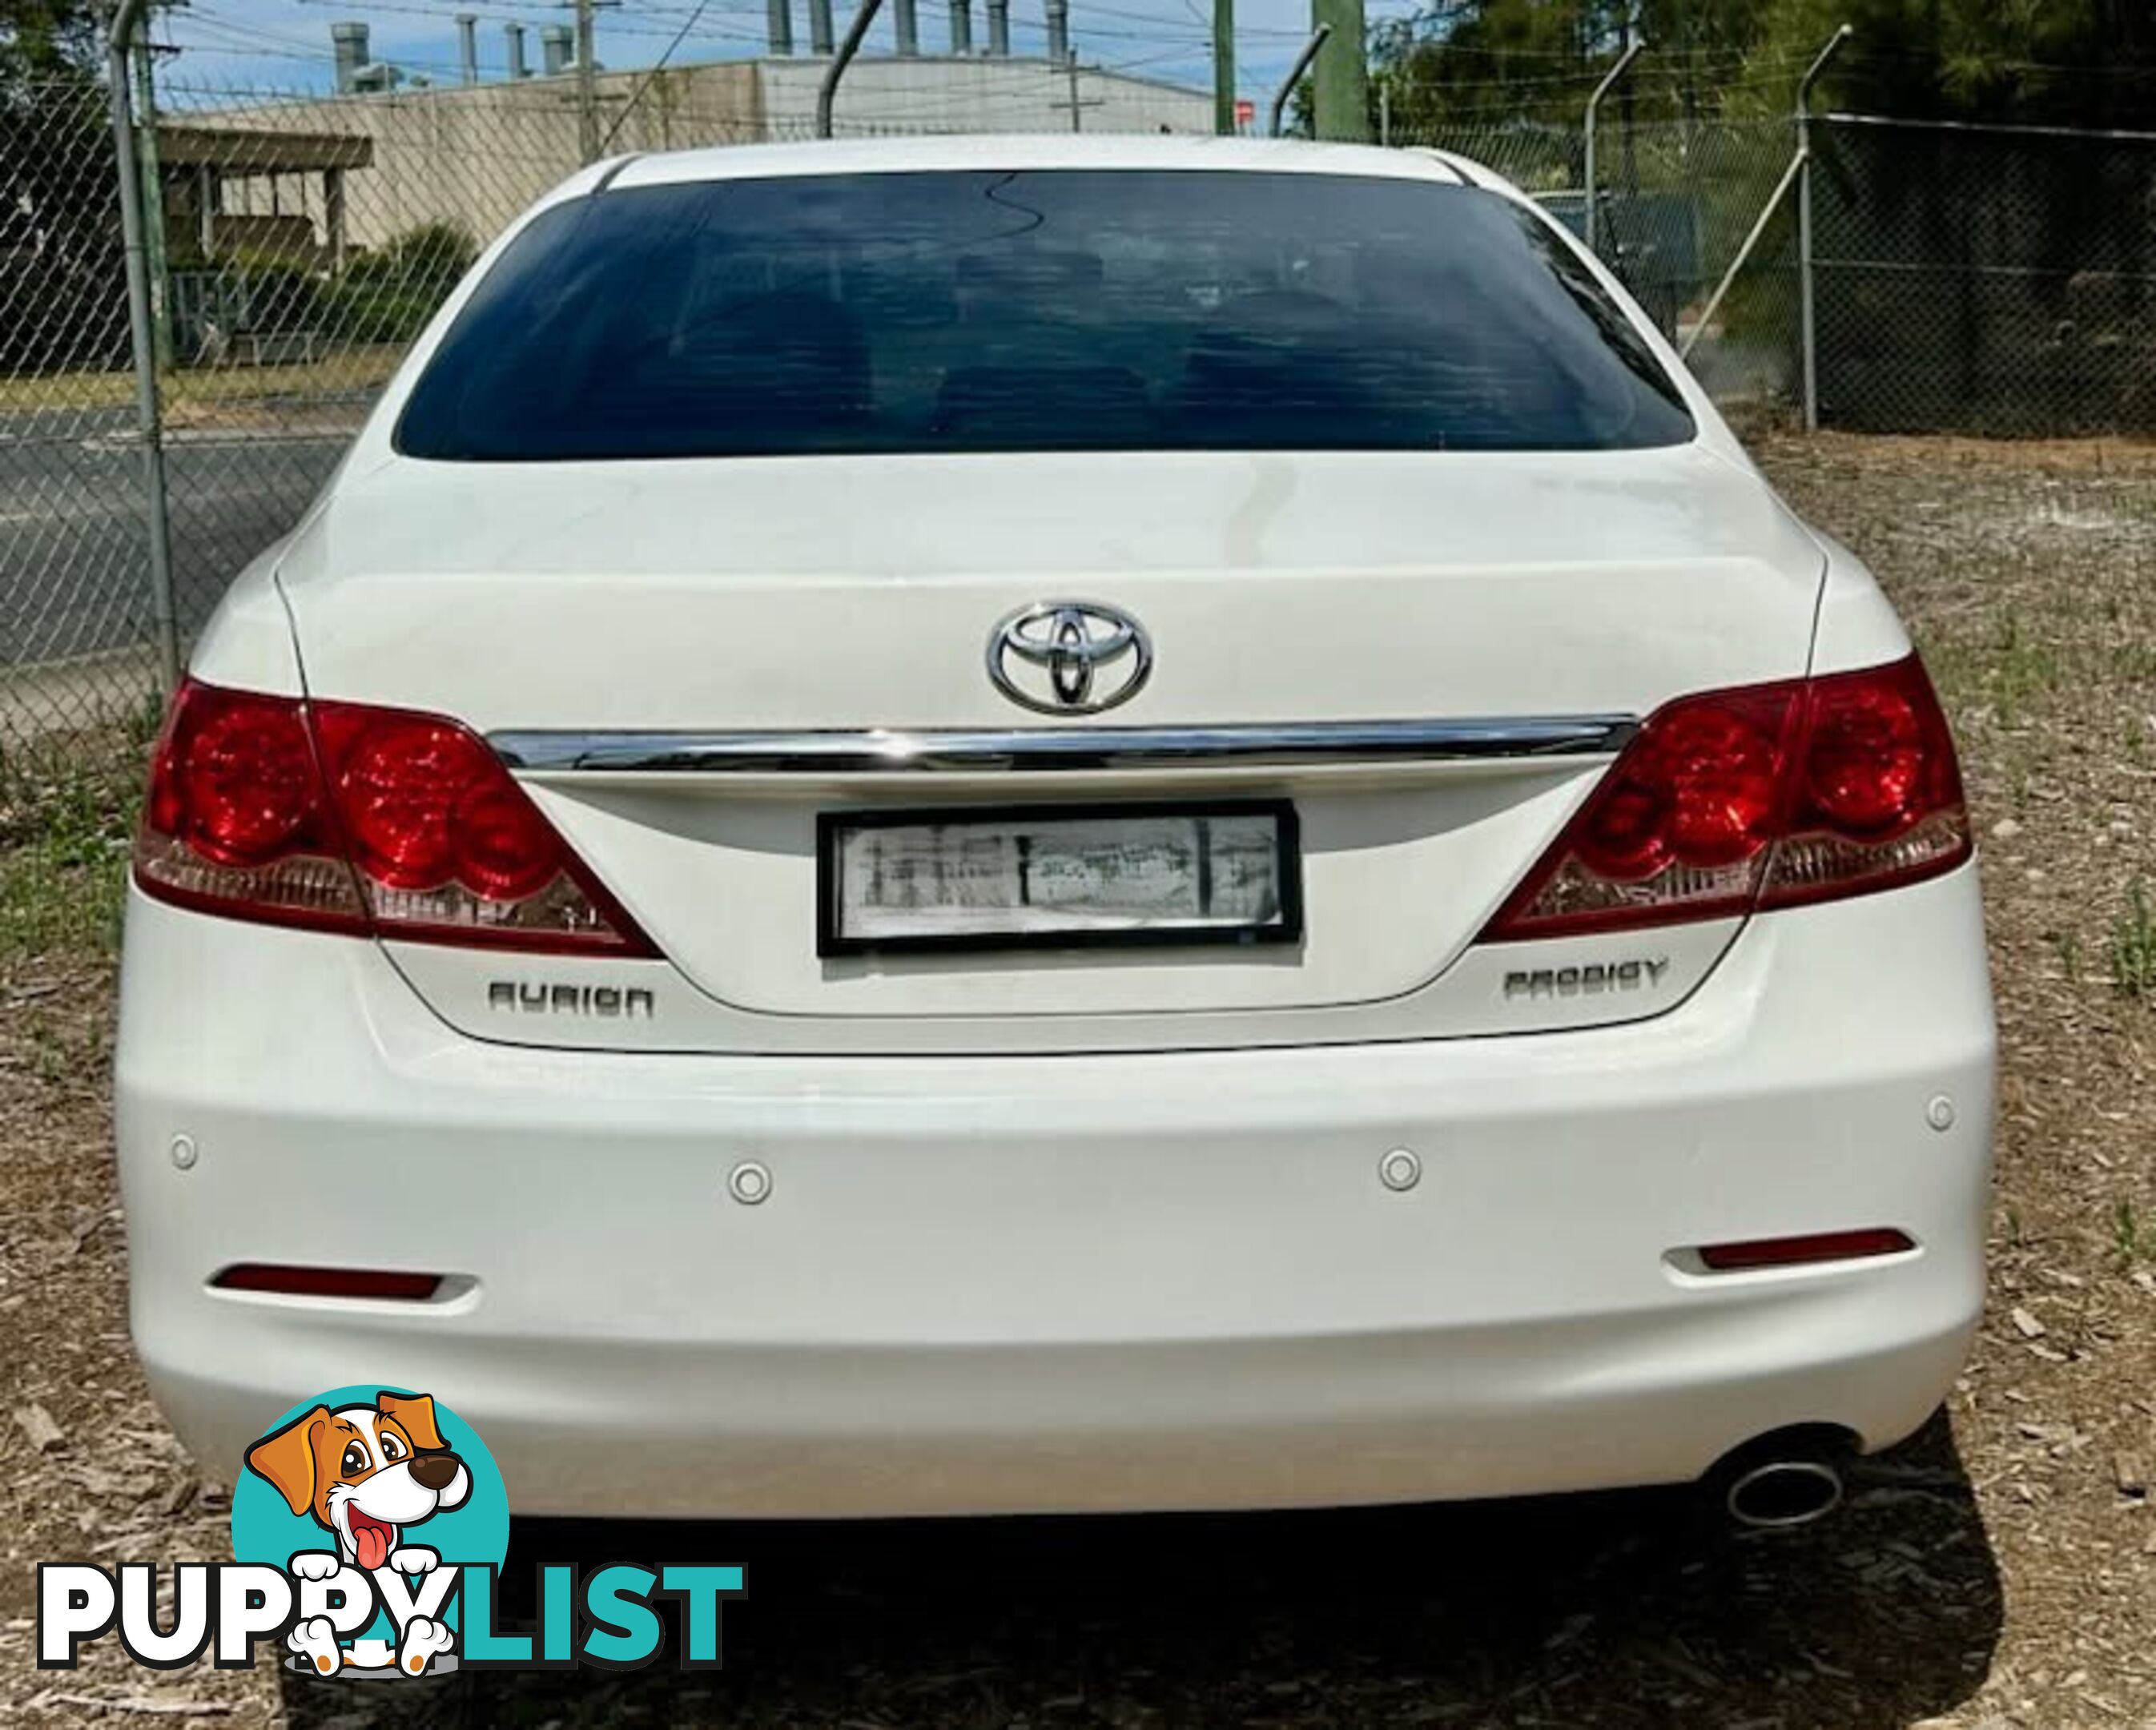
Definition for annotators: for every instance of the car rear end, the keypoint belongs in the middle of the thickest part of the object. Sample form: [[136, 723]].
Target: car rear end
[[1122, 825]]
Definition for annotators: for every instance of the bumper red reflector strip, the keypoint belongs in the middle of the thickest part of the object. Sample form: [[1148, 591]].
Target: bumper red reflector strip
[[328, 1281], [1793, 1251]]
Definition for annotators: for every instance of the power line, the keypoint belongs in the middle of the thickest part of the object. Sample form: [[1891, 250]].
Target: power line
[[644, 83], [242, 37]]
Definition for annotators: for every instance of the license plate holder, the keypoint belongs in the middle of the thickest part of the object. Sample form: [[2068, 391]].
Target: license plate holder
[[985, 877]]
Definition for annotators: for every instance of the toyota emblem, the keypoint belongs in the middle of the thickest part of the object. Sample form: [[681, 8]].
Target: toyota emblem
[[1069, 657]]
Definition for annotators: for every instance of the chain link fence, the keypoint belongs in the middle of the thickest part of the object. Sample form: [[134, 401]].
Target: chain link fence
[[1674, 205], [295, 245], [1988, 281], [75, 613], [1993, 280]]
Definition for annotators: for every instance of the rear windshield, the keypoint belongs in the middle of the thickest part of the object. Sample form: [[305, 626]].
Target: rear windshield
[[1060, 309]]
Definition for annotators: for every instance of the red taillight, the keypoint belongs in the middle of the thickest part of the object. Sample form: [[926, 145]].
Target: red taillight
[[399, 784], [376, 1284], [1769, 795], [1880, 803], [250, 773], [1797, 1251], [236, 822], [344, 817]]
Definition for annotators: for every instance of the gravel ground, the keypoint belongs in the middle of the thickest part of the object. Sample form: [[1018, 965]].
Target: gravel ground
[[2001, 1569]]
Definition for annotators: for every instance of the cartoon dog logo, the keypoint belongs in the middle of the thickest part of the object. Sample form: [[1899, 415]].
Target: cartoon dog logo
[[367, 1474]]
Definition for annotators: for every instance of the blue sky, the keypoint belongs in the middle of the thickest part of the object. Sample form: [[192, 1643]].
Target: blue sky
[[285, 44]]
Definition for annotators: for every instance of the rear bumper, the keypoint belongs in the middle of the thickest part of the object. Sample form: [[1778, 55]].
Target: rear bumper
[[1066, 1283]]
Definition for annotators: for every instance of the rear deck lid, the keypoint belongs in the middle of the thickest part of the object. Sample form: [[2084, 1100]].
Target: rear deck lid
[[579, 615]]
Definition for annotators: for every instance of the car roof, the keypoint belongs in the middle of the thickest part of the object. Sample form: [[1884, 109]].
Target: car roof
[[1037, 151]]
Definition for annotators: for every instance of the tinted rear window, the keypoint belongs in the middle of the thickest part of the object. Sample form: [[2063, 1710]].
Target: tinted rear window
[[1058, 309]]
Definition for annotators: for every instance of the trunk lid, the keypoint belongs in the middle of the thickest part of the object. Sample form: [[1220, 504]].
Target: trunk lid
[[821, 594]]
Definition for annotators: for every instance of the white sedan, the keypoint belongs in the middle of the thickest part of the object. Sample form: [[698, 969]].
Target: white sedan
[[975, 824]]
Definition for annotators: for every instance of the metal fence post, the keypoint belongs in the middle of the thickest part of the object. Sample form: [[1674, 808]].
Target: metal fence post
[[142, 342], [1807, 335], [827, 92], [153, 201], [1742, 256], [1593, 109], [1278, 116]]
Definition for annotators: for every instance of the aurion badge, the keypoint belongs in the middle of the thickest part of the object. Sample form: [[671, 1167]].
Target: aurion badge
[[1069, 657]]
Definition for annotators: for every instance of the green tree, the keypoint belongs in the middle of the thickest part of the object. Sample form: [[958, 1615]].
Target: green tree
[[2077, 63], [388, 296], [46, 39], [1465, 62]]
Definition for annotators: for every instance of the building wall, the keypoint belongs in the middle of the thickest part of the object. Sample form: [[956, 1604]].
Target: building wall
[[477, 155], [942, 93]]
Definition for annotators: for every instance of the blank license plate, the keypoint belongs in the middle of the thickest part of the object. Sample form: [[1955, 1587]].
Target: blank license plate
[[1054, 877]]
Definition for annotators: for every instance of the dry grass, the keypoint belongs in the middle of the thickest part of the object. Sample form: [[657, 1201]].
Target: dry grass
[[1996, 1572]]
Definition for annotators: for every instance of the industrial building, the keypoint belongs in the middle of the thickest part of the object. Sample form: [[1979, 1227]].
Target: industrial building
[[388, 154]]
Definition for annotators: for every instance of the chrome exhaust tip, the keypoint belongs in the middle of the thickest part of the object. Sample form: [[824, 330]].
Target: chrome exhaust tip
[[1781, 1495]]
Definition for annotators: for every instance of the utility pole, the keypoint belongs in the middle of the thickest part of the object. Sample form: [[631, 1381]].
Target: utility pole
[[1076, 104], [1224, 67], [588, 93], [1342, 88]]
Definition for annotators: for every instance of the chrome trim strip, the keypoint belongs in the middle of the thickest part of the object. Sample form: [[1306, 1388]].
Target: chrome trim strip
[[1026, 750]]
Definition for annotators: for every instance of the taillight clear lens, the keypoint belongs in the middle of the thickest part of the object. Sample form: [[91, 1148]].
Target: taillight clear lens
[[347, 816], [1769, 795]]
